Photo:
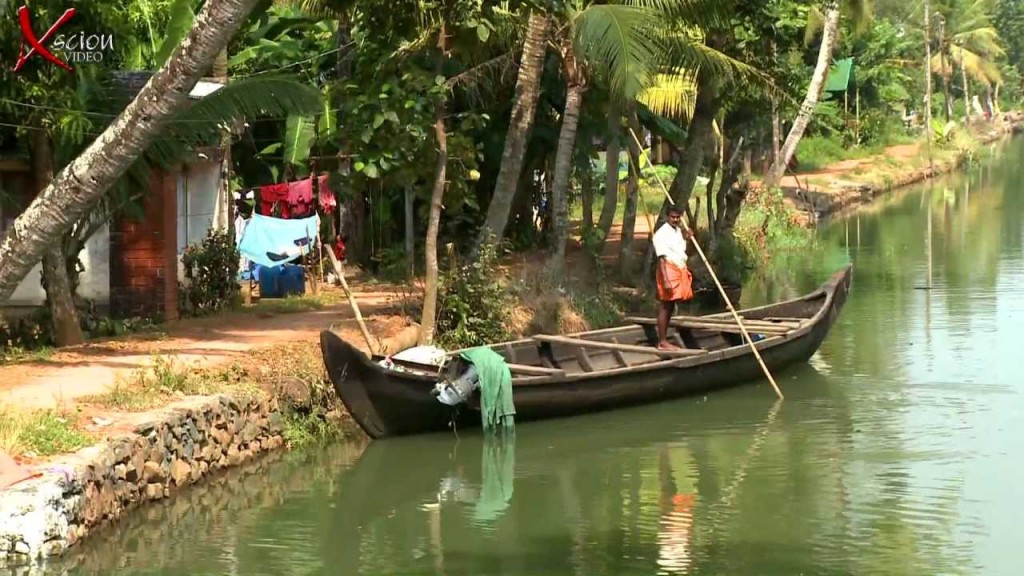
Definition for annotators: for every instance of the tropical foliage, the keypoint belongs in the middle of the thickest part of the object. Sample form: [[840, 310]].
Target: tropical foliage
[[527, 100]]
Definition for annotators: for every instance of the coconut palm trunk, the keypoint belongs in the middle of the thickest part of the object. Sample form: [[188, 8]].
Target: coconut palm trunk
[[55, 210], [520, 127], [60, 297], [626, 261], [814, 91], [563, 157], [611, 182]]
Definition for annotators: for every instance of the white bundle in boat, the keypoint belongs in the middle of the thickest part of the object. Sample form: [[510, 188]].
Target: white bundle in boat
[[429, 355]]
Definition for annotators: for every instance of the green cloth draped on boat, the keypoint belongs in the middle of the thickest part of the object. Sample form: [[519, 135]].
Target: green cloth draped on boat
[[496, 407]]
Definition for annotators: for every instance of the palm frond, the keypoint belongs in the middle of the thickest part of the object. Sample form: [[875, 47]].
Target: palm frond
[[621, 41], [278, 96], [977, 66], [942, 65], [985, 40], [487, 77], [686, 54], [671, 95]]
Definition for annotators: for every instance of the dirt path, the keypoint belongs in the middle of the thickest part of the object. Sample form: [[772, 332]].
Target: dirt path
[[57, 381]]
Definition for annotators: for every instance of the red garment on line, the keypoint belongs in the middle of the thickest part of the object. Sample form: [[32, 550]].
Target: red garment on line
[[296, 198], [300, 192], [300, 198], [271, 194]]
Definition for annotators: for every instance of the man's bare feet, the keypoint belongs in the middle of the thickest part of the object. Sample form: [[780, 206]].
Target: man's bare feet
[[666, 345]]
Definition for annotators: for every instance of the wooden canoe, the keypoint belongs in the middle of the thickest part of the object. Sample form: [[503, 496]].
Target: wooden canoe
[[561, 376]]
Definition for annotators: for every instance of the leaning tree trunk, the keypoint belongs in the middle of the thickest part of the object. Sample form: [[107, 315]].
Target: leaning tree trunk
[[520, 127], [60, 297], [828, 41], [563, 158], [611, 179], [89, 176], [428, 319]]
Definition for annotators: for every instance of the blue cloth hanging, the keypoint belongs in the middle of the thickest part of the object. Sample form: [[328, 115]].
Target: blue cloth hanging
[[271, 242]]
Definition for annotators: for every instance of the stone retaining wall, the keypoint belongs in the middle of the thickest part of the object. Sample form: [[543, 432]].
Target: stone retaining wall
[[162, 536], [176, 447]]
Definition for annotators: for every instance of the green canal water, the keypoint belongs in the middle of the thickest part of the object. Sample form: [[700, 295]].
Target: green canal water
[[896, 450]]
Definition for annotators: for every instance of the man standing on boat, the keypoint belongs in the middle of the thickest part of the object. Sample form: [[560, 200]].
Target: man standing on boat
[[674, 281]]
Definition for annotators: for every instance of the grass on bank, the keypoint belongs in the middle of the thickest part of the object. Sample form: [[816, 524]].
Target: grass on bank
[[16, 354], [39, 433], [293, 374]]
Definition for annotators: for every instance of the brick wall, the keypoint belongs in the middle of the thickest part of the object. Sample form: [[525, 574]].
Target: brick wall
[[143, 258]]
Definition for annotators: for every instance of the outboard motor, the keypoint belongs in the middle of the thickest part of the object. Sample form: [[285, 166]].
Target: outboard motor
[[458, 384]]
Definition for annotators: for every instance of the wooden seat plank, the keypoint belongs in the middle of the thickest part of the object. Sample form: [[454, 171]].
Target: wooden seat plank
[[613, 346], [719, 325], [534, 370]]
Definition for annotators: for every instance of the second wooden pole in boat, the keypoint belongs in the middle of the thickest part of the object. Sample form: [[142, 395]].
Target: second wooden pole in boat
[[351, 300], [721, 290]]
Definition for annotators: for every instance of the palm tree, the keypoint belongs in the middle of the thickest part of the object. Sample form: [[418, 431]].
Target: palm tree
[[970, 42], [831, 11], [84, 181], [627, 45], [520, 127]]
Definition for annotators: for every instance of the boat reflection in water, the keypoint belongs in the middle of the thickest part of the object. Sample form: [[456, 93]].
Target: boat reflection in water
[[630, 492], [726, 484]]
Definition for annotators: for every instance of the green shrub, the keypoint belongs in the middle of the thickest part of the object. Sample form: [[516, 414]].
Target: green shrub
[[473, 301], [816, 152], [211, 269]]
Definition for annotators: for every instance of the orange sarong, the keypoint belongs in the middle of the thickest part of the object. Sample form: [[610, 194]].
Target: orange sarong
[[674, 283]]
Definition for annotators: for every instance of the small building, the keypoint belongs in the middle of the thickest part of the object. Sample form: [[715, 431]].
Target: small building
[[132, 267]]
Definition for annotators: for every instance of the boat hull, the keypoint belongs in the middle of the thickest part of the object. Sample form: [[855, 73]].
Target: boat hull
[[388, 403]]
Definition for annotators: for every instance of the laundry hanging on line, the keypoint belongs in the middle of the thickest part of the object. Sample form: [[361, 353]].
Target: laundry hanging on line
[[295, 199], [271, 242]]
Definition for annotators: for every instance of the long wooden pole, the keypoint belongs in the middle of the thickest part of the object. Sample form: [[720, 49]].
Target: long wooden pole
[[721, 290], [351, 299]]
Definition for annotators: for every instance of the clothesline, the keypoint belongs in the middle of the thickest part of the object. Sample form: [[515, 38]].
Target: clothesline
[[293, 199]]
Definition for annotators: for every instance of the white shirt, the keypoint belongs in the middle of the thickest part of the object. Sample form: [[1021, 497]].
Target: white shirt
[[669, 242]]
